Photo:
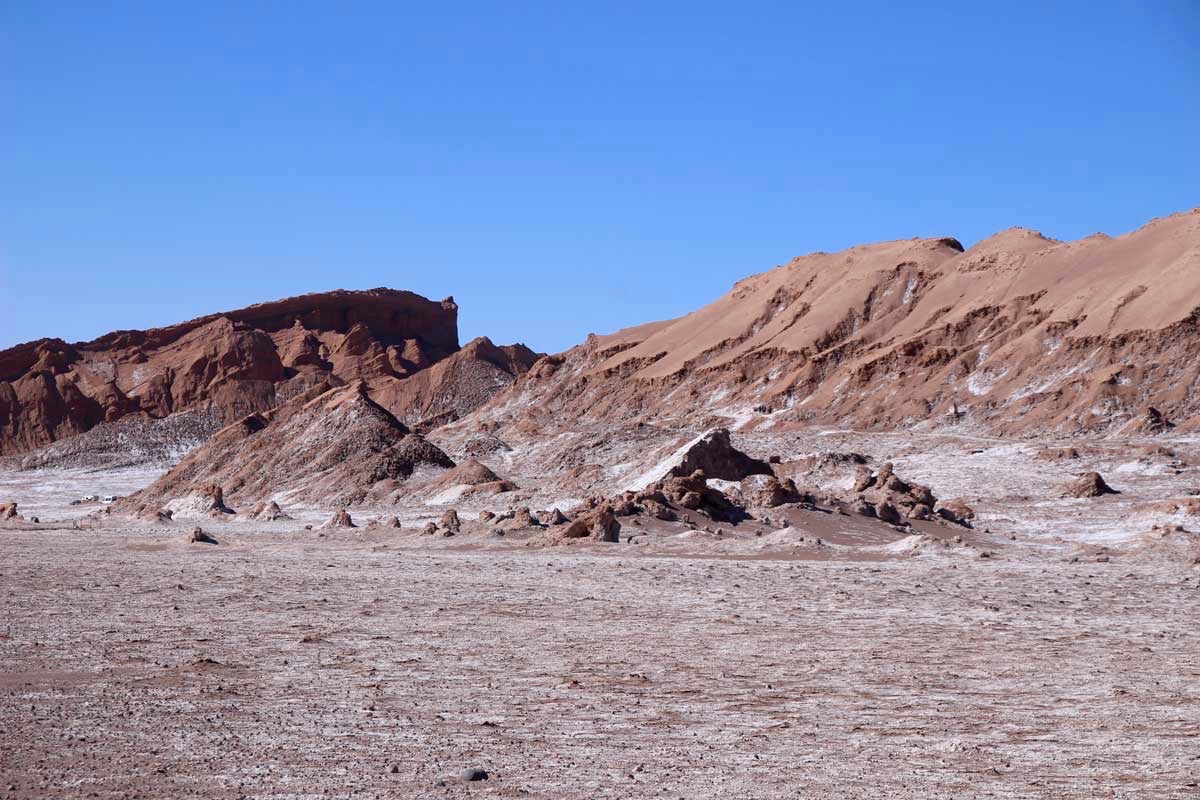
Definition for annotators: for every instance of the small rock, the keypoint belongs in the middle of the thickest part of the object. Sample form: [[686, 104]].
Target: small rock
[[887, 512], [1090, 484], [340, 519], [198, 536]]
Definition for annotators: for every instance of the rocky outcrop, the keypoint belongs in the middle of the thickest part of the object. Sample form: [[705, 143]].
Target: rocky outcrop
[[1151, 422], [235, 363], [340, 519], [268, 512], [1180, 506], [198, 536], [450, 521], [767, 491], [518, 519], [956, 511], [715, 456], [1090, 484], [202, 500], [889, 498], [1056, 454], [599, 525], [456, 385], [328, 447], [472, 477]]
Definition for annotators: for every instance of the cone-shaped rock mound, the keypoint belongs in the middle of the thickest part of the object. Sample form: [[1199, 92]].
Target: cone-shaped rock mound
[[330, 446]]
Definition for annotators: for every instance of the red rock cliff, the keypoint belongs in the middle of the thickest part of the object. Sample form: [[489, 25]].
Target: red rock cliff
[[228, 364]]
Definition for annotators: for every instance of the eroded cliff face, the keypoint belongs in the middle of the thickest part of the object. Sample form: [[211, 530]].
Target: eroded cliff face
[[235, 363], [1016, 335]]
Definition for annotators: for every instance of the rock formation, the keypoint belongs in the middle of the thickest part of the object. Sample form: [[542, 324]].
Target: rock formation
[[202, 500], [268, 512], [599, 524], [472, 477], [715, 456], [450, 521], [1090, 484], [328, 446], [340, 519], [227, 365], [1150, 423], [198, 536], [1018, 333]]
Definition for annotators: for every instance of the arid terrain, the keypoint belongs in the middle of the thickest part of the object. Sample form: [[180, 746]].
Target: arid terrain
[[287, 665], [906, 521]]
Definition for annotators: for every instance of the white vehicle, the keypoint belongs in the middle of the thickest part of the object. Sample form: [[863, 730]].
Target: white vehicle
[[91, 498], [108, 498]]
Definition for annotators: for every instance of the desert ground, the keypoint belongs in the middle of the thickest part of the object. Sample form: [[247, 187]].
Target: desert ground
[[1049, 652]]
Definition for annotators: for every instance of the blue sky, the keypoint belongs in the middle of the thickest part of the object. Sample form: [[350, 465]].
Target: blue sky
[[559, 168]]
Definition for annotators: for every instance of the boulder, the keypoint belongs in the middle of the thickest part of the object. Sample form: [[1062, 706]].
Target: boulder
[[860, 506], [887, 512], [957, 512], [767, 491], [1057, 454], [886, 479], [863, 479], [269, 512], [598, 524], [340, 519], [450, 521], [198, 536], [523, 518], [919, 511], [1089, 484], [660, 511]]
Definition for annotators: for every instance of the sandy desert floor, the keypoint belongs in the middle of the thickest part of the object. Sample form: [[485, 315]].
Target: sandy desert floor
[[293, 663], [134, 665]]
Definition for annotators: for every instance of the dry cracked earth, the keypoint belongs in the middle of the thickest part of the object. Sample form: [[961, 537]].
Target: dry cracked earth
[[303, 666]]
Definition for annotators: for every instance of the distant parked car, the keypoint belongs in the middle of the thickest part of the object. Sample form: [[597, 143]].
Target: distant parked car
[[90, 498], [109, 498]]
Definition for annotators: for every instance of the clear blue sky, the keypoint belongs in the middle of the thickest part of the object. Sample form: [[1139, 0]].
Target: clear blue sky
[[559, 168]]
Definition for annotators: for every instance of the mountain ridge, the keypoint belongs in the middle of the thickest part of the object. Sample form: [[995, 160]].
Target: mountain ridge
[[1017, 334], [234, 363]]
